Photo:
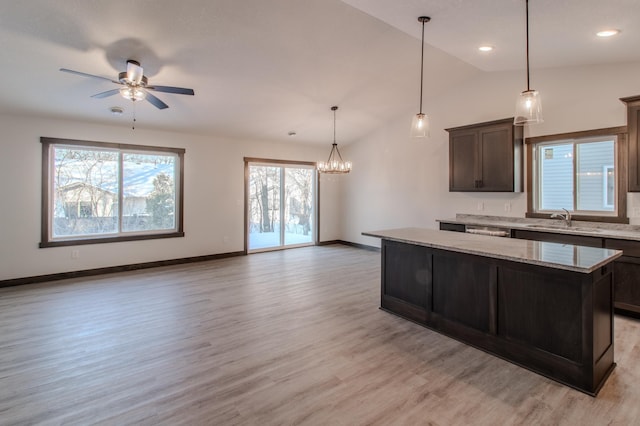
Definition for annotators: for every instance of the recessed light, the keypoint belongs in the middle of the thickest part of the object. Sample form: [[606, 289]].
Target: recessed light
[[485, 48], [607, 33]]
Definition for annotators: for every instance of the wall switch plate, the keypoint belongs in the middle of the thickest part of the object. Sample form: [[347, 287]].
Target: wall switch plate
[[636, 212], [480, 206], [75, 254], [507, 207]]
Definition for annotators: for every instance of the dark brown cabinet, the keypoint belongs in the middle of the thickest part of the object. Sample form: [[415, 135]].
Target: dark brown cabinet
[[626, 269], [486, 157], [633, 147], [558, 323], [626, 274]]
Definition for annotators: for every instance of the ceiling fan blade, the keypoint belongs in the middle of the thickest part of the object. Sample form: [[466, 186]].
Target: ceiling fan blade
[[134, 72], [84, 74], [170, 89], [106, 94], [156, 101]]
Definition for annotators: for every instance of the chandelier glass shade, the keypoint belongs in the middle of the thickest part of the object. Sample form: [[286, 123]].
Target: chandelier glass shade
[[334, 164]]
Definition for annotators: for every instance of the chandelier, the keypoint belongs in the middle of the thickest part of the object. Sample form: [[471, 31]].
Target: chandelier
[[335, 163]]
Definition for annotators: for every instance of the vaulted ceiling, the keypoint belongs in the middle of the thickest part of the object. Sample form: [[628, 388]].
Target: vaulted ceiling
[[261, 69]]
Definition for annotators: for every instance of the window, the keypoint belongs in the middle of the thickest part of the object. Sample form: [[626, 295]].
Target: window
[[579, 172], [94, 192], [281, 208]]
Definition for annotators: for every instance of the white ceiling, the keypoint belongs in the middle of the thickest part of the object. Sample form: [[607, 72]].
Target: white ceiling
[[561, 32], [263, 68]]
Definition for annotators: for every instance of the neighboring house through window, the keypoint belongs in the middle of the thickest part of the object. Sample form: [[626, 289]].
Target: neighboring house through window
[[579, 172], [85, 183]]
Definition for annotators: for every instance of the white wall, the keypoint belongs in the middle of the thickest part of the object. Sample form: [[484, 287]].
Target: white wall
[[214, 196], [397, 181]]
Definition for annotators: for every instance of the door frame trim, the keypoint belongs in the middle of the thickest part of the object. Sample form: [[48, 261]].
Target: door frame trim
[[316, 231]]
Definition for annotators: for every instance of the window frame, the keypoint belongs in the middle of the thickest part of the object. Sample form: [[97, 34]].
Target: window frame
[[249, 161], [46, 239], [620, 162]]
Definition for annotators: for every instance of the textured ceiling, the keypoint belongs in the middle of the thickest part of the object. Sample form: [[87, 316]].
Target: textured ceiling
[[263, 68]]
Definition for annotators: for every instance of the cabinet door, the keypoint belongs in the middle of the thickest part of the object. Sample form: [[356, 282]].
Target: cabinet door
[[406, 279], [496, 158], [626, 276], [633, 125], [457, 227], [626, 285], [463, 155]]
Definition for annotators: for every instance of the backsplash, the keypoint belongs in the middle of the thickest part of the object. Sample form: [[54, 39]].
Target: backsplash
[[523, 220]]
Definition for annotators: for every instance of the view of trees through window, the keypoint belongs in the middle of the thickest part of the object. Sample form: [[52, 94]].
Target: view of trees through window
[[281, 206], [97, 191]]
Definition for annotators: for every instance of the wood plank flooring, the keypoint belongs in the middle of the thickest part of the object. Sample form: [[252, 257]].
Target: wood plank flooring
[[288, 337]]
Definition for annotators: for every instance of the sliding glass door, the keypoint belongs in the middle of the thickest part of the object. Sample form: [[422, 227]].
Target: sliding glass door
[[281, 205]]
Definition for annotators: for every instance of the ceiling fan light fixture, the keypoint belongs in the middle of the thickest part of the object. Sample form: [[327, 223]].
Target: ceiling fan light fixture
[[134, 72], [133, 93]]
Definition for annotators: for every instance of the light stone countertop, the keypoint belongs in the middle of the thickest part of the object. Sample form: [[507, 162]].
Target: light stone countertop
[[551, 255], [591, 229]]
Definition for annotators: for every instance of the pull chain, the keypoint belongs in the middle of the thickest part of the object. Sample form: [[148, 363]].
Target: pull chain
[[133, 127]]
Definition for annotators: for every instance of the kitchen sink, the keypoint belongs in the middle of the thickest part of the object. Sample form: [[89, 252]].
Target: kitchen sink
[[568, 228]]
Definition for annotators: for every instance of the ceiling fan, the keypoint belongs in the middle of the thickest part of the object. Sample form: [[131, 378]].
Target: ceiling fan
[[134, 85]]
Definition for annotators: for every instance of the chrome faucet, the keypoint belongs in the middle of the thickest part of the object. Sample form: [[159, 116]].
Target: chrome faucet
[[566, 217]]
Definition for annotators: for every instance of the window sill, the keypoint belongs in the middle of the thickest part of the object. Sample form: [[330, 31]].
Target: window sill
[[83, 241]]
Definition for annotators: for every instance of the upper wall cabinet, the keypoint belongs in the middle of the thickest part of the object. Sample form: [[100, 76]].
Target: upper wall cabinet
[[486, 157], [633, 146]]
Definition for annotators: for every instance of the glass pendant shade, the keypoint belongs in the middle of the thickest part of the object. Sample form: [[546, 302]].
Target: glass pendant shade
[[420, 126], [528, 108]]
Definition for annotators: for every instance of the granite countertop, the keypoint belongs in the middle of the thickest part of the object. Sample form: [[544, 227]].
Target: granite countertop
[[551, 255], [591, 229]]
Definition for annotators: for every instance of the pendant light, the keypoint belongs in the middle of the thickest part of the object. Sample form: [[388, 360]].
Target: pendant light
[[335, 164], [528, 105], [420, 123]]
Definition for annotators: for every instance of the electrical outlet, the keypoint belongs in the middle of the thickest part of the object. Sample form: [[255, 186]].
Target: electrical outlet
[[75, 254], [480, 206], [507, 207], [636, 212], [225, 239]]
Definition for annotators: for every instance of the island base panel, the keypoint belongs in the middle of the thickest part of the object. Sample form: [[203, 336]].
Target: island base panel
[[557, 323]]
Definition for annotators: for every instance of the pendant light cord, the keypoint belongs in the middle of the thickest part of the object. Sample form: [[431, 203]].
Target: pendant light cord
[[334, 125], [527, 15]]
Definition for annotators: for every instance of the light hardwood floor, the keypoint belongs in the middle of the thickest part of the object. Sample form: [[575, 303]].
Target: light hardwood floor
[[288, 337]]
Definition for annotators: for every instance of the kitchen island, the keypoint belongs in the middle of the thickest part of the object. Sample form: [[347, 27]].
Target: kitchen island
[[545, 306]]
